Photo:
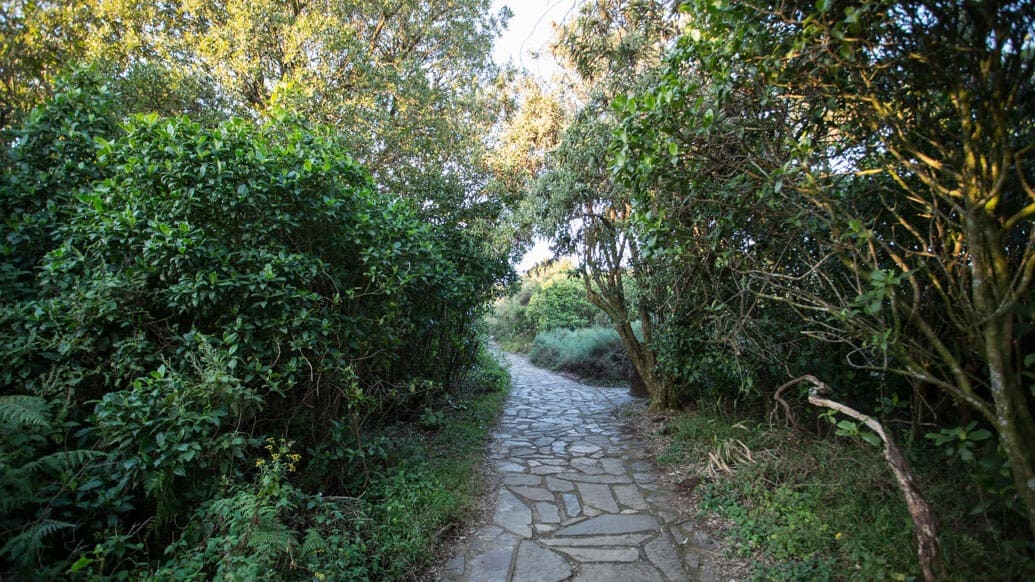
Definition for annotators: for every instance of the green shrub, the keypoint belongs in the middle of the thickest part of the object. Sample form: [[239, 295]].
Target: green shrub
[[548, 297], [595, 354], [167, 457], [190, 291], [267, 528]]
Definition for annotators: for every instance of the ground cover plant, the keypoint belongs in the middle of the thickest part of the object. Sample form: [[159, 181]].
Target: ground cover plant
[[802, 506]]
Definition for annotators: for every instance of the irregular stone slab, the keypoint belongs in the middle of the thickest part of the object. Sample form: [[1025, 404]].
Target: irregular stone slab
[[492, 565], [513, 515], [538, 564], [638, 572], [453, 570], [548, 512], [522, 479], [610, 524], [509, 467], [547, 470], [598, 496], [620, 540], [491, 537], [572, 508], [602, 554], [533, 493], [630, 496], [663, 555], [584, 448], [613, 466]]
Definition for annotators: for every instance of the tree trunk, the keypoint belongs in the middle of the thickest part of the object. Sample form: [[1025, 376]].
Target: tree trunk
[[1014, 425], [990, 283], [661, 394], [637, 387]]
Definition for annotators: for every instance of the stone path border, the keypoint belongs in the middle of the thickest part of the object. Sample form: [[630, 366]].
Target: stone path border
[[578, 499]]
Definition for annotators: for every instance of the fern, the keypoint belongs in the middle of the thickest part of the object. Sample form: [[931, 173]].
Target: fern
[[21, 410], [314, 542], [62, 460], [10, 502], [276, 539], [24, 546]]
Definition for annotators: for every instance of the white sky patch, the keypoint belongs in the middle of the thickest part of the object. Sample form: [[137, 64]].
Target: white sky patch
[[529, 32]]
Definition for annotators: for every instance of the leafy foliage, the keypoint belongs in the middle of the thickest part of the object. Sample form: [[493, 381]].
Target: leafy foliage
[[175, 293], [812, 163], [560, 303], [808, 188]]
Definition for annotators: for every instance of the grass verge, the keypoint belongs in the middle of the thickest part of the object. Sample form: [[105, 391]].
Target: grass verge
[[804, 507], [436, 483]]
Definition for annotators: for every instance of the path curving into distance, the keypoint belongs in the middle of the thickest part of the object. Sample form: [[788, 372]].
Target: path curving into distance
[[578, 498]]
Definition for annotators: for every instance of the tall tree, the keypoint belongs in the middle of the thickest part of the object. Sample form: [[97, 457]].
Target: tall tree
[[37, 38], [411, 82], [610, 47], [904, 144]]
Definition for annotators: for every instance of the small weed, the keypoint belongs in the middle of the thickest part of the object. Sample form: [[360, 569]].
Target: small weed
[[675, 455]]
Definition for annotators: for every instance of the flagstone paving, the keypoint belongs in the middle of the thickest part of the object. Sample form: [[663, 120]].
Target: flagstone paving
[[578, 499]]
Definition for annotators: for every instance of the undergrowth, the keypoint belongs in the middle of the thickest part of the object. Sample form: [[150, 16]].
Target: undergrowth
[[806, 507], [437, 484], [274, 526]]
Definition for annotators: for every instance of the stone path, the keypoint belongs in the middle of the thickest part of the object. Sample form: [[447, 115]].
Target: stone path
[[577, 499]]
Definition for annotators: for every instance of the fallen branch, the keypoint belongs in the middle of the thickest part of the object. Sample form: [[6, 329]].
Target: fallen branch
[[925, 523]]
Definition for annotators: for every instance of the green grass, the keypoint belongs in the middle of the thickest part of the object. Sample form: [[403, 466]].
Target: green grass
[[437, 484], [595, 354], [810, 508]]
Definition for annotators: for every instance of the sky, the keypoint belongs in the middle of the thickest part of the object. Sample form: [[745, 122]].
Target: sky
[[530, 31]]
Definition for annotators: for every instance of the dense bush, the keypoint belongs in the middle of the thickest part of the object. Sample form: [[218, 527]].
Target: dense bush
[[174, 296], [561, 304]]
